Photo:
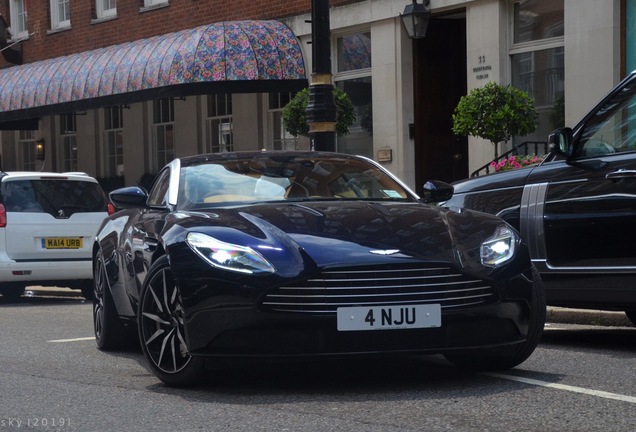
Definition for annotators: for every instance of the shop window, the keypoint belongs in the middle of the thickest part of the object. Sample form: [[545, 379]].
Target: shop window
[[114, 141], [281, 139], [537, 19], [163, 128], [68, 140], [220, 136], [354, 77], [537, 61], [106, 8], [60, 14], [26, 150], [18, 14]]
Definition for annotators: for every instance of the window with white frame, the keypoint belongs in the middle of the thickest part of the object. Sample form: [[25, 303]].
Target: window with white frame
[[26, 150], [114, 141], [353, 76], [163, 131], [537, 60], [220, 137], [106, 8], [60, 14], [68, 140], [280, 138], [18, 14], [148, 3]]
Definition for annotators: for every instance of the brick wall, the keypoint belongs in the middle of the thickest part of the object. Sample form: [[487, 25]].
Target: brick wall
[[134, 22]]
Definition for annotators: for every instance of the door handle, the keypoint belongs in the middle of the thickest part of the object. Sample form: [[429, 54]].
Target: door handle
[[621, 174]]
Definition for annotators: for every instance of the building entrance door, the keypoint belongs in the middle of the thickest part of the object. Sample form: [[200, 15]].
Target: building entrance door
[[439, 83]]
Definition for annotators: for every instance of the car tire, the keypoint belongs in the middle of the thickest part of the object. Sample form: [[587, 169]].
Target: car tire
[[12, 291], [506, 357], [631, 315], [161, 329], [110, 332]]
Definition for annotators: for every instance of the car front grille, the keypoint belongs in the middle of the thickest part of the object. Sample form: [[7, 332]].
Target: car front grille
[[373, 286]]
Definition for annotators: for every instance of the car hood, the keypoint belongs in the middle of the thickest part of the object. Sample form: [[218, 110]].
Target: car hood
[[353, 232], [503, 179]]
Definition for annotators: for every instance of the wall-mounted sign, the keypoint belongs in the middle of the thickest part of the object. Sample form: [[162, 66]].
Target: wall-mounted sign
[[385, 155], [482, 70]]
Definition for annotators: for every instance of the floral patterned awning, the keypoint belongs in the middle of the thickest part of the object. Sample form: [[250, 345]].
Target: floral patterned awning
[[231, 57]]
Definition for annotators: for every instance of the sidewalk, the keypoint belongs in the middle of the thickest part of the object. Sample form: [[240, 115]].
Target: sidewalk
[[554, 315]]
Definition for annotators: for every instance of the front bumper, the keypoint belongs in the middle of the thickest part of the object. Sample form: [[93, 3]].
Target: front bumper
[[249, 333]]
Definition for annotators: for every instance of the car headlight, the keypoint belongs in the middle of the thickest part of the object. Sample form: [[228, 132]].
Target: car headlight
[[228, 256], [500, 248]]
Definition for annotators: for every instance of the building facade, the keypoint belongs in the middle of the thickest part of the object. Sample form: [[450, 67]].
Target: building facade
[[565, 53]]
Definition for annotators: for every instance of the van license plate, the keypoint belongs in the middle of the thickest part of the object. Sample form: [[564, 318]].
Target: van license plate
[[62, 243], [389, 317]]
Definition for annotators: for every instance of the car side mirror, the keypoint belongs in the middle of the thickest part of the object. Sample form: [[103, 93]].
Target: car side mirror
[[128, 197], [435, 191], [560, 142]]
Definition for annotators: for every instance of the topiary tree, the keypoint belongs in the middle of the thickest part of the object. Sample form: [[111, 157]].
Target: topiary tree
[[295, 116], [495, 112]]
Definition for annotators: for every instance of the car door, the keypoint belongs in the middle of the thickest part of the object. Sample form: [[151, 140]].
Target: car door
[[587, 205], [144, 231]]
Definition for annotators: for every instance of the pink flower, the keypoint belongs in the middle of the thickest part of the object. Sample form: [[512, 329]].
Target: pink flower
[[514, 162]]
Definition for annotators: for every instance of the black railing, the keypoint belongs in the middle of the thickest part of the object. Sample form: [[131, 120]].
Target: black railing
[[527, 148]]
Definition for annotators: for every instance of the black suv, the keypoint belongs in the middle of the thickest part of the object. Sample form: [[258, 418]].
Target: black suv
[[577, 209]]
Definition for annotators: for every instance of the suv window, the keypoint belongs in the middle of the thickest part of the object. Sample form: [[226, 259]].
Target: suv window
[[59, 198], [612, 129]]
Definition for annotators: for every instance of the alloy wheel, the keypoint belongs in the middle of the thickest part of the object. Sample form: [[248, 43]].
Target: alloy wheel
[[98, 297], [162, 324]]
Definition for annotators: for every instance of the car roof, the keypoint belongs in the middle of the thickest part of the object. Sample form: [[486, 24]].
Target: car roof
[[37, 175]]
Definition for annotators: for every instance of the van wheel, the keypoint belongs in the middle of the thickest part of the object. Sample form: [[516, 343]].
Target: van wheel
[[87, 289], [12, 291]]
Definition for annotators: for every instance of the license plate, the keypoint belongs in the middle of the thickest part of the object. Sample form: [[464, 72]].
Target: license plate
[[389, 317], [62, 243]]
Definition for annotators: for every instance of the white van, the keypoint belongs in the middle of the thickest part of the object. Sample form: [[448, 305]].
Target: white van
[[48, 223]]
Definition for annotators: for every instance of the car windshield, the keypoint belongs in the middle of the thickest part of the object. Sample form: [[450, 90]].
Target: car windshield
[[284, 178]]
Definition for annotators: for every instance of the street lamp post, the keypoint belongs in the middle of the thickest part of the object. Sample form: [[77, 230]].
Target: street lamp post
[[321, 109]]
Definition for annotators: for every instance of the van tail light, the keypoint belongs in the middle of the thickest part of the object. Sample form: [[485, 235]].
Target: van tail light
[[110, 208], [3, 216]]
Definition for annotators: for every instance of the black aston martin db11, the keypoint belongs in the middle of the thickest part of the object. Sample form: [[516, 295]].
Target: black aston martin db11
[[307, 254]]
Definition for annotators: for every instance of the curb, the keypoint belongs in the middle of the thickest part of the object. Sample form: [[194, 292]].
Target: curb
[[41, 291], [587, 317]]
